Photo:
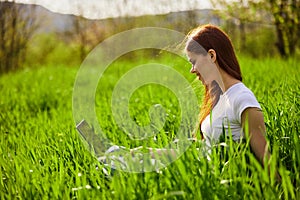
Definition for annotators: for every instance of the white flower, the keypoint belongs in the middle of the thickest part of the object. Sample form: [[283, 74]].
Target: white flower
[[88, 187]]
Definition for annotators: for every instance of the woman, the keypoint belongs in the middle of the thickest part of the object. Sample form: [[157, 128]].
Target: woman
[[228, 104]]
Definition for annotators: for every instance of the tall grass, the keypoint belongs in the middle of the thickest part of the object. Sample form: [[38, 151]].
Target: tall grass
[[42, 155]]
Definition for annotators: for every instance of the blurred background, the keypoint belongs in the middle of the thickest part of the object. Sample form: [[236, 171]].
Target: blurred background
[[39, 33]]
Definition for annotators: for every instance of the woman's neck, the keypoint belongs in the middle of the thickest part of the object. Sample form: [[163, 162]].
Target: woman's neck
[[227, 80]]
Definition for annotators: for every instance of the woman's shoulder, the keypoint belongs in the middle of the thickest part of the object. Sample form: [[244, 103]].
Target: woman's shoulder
[[241, 98], [239, 90]]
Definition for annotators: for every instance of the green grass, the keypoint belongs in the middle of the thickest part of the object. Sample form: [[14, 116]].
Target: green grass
[[42, 156]]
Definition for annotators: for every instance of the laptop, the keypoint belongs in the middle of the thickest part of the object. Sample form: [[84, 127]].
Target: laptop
[[96, 144], [100, 147]]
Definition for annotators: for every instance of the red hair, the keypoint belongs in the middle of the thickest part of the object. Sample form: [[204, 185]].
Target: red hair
[[200, 40]]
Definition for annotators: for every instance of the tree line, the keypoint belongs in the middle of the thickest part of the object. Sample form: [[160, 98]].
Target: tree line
[[285, 16], [18, 24]]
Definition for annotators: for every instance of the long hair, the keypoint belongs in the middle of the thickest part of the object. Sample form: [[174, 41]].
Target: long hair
[[200, 40]]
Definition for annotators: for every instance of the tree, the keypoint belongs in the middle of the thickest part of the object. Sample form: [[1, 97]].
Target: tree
[[286, 18], [241, 12], [85, 33], [286, 15], [17, 25]]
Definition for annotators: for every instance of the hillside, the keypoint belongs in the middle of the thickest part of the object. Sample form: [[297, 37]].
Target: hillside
[[56, 22]]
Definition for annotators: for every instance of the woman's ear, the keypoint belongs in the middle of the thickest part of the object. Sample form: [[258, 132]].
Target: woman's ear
[[213, 55]]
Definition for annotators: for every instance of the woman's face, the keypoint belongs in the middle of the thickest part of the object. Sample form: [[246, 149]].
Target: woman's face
[[201, 66]]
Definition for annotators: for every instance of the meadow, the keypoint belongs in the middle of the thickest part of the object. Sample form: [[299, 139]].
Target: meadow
[[43, 157]]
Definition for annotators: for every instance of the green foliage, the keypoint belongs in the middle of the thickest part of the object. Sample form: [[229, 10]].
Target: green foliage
[[17, 25], [260, 42], [282, 14], [43, 157], [287, 21], [49, 49]]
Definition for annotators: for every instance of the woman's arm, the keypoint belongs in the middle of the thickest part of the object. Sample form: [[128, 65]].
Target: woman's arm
[[254, 120], [256, 126]]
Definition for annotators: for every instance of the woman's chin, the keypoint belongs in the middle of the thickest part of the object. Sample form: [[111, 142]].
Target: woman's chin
[[202, 81]]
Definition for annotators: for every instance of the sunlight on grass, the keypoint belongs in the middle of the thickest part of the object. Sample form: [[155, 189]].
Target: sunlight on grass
[[42, 155]]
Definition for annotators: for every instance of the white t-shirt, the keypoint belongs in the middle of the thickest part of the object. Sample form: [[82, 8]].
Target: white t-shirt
[[227, 113]]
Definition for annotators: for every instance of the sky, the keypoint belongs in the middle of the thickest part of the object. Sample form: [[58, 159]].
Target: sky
[[100, 9]]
